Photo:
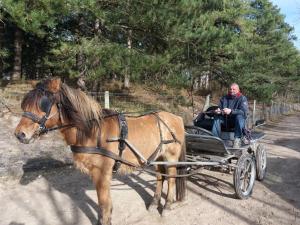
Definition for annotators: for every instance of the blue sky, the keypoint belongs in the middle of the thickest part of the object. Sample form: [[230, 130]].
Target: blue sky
[[291, 10]]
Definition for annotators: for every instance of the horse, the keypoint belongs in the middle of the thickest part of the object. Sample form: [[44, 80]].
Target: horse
[[103, 141]]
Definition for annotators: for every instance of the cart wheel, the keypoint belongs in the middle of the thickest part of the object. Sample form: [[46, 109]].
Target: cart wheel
[[244, 176], [261, 162]]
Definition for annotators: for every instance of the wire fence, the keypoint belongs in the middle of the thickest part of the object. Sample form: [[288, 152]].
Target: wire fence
[[272, 111], [124, 102], [258, 111], [179, 105]]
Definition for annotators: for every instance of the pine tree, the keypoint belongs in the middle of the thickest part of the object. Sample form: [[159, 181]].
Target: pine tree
[[2, 51], [29, 17]]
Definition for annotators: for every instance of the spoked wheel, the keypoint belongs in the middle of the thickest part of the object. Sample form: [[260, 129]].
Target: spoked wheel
[[261, 162], [244, 176]]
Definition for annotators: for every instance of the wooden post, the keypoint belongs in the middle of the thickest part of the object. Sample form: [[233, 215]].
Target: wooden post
[[207, 102], [272, 110], [253, 113], [106, 99]]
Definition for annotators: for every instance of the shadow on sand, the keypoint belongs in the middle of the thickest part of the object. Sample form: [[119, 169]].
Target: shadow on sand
[[213, 184], [283, 180], [69, 181]]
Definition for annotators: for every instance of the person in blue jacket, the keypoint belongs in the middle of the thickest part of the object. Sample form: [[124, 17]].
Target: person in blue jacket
[[233, 109]]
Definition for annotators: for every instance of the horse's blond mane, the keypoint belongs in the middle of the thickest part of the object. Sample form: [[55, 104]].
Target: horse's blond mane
[[81, 110], [83, 104]]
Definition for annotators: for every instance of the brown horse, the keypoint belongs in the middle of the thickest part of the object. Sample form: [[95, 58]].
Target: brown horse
[[96, 139]]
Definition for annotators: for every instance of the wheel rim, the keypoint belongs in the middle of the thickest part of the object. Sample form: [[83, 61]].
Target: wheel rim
[[263, 159], [247, 177]]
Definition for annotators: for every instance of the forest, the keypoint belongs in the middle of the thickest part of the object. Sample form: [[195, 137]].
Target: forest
[[198, 45]]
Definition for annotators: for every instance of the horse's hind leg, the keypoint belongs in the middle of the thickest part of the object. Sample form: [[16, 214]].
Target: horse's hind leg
[[159, 185], [179, 182], [171, 188]]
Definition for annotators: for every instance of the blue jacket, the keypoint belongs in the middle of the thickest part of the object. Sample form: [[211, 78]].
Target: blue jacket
[[238, 104]]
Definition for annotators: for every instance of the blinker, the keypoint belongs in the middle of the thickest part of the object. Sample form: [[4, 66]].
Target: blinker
[[45, 104]]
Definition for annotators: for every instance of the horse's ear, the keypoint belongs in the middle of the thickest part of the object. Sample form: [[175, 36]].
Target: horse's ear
[[54, 85], [33, 83]]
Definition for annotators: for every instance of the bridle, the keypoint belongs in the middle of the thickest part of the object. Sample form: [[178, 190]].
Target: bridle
[[45, 105]]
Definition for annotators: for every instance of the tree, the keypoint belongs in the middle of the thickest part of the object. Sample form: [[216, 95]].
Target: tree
[[2, 52], [268, 54], [29, 17], [185, 44]]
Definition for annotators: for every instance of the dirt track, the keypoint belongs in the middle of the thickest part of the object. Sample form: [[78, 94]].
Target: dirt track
[[66, 197]]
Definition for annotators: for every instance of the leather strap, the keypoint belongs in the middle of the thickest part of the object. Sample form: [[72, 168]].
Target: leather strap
[[33, 117], [123, 143], [123, 135], [123, 131], [100, 151]]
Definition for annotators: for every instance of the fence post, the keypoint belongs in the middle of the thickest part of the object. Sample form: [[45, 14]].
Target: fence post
[[207, 102], [106, 99], [253, 113], [272, 110], [277, 109]]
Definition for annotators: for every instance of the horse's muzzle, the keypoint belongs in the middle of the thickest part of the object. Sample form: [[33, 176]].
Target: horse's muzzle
[[22, 137]]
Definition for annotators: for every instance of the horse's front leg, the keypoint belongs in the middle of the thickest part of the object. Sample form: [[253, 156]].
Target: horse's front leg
[[102, 181], [159, 185]]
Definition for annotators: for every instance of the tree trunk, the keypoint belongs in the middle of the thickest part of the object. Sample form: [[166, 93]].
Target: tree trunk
[[97, 29], [38, 67], [16, 75], [80, 58], [80, 55], [1, 46], [127, 73]]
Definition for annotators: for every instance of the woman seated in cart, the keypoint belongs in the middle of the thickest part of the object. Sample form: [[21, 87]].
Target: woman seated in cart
[[232, 112]]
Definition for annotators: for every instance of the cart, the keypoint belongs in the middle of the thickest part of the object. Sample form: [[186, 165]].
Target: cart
[[248, 163]]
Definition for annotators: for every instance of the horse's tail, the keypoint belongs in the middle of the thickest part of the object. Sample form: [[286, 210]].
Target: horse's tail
[[181, 181]]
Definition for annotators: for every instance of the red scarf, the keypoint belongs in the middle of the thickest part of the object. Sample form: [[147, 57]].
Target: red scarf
[[234, 96]]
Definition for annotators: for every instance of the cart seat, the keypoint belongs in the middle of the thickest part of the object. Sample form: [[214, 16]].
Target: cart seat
[[205, 144], [207, 123]]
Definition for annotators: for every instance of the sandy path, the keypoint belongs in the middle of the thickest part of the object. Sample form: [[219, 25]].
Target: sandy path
[[66, 197]]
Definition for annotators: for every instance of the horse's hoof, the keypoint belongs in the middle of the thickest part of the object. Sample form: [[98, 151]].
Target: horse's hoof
[[169, 207], [166, 211], [174, 205], [103, 223], [153, 207], [179, 204]]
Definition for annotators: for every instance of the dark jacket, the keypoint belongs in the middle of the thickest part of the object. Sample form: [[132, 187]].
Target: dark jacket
[[238, 104]]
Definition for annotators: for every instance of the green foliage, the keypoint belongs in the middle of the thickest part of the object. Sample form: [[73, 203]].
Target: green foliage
[[33, 16], [172, 43]]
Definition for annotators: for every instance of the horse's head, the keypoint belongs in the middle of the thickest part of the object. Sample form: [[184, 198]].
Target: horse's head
[[41, 111]]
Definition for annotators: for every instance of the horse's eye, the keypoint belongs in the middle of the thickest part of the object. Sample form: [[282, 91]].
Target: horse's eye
[[45, 104]]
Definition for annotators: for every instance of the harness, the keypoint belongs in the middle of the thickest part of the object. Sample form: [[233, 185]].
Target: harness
[[42, 120], [123, 143], [122, 139]]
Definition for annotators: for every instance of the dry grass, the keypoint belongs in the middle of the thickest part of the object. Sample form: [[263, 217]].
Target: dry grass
[[139, 98]]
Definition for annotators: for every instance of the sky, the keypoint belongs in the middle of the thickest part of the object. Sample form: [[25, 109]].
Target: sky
[[291, 10]]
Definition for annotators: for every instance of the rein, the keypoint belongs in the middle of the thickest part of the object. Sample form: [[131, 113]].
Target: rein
[[109, 154]]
